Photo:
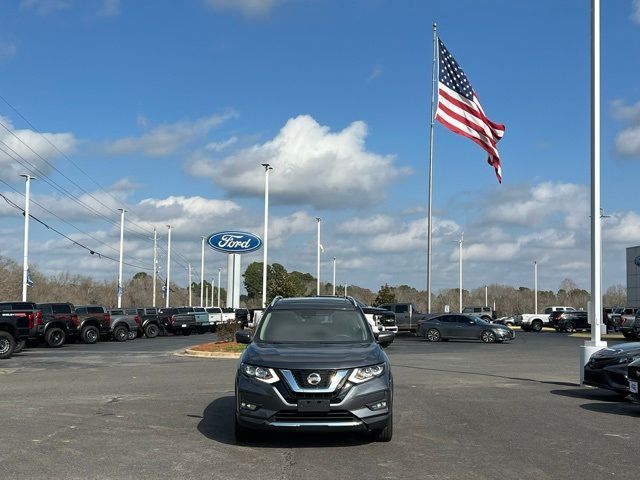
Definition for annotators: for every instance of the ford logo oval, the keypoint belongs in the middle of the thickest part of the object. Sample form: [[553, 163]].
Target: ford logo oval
[[637, 261], [234, 242]]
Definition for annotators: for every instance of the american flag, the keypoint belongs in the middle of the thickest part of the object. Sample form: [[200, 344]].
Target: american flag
[[460, 111]]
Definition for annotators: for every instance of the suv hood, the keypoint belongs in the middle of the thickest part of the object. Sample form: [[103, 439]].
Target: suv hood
[[311, 356]]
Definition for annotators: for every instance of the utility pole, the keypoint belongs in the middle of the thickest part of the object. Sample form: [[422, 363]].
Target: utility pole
[[25, 261], [168, 267], [318, 219], [334, 276], [155, 264], [265, 239], [190, 302], [219, 272], [202, 273], [120, 287]]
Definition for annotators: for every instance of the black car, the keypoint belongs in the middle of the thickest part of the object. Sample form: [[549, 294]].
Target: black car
[[569, 321], [607, 368], [463, 327], [633, 373], [314, 365]]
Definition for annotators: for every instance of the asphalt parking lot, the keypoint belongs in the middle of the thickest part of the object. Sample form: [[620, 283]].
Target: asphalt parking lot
[[463, 410]]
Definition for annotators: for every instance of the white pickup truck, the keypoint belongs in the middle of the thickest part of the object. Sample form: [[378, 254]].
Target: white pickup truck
[[533, 322], [217, 316]]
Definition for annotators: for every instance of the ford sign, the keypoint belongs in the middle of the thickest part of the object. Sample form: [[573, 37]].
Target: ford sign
[[234, 242]]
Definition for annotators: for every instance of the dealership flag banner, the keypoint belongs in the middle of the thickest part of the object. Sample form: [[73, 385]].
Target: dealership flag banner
[[460, 111]]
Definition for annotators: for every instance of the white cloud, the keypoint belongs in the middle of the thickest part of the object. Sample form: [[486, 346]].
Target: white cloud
[[627, 142], [372, 225], [45, 7], [166, 139], [375, 73], [248, 8], [412, 236], [219, 146], [109, 8], [7, 51], [635, 14], [312, 166], [18, 146]]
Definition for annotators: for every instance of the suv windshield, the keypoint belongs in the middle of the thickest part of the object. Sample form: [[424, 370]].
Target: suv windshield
[[313, 326]]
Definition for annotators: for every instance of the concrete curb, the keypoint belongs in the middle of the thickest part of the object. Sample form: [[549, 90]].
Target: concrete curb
[[606, 336], [197, 354]]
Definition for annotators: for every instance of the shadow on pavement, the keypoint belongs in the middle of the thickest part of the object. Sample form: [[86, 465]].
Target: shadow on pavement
[[599, 394], [218, 424], [626, 409]]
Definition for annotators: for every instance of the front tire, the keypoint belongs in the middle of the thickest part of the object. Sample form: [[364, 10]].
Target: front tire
[[630, 335], [536, 325], [120, 334], [433, 335], [569, 327], [488, 336], [7, 344], [151, 331], [385, 434], [186, 332], [90, 334], [55, 337], [19, 346]]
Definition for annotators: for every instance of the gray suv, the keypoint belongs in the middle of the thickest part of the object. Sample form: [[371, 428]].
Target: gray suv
[[313, 364]]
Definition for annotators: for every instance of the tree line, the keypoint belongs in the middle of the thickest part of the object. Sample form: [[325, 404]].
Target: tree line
[[83, 289]]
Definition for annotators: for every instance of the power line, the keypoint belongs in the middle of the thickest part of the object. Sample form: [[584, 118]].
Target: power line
[[93, 252]]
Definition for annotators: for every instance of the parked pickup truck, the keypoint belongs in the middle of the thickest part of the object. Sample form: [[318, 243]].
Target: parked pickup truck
[[125, 323], [533, 322], [379, 319], [485, 313], [177, 320], [93, 322], [60, 323], [218, 317], [151, 323], [407, 315], [202, 319], [630, 326], [14, 328], [33, 313]]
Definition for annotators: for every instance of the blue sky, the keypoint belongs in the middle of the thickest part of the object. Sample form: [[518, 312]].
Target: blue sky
[[171, 108]]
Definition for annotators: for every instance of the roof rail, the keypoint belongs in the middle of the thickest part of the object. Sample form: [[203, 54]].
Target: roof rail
[[352, 300], [275, 300]]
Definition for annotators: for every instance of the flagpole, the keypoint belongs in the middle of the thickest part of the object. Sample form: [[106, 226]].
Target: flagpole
[[433, 99], [155, 264]]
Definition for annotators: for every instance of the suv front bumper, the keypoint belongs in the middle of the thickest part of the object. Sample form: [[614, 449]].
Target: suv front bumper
[[349, 410]]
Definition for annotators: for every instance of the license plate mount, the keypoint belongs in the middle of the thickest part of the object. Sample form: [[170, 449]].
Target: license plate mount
[[314, 405], [633, 386]]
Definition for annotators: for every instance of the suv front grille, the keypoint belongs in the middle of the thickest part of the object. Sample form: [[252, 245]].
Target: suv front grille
[[325, 378]]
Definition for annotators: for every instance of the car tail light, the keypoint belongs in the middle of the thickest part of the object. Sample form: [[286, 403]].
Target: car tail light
[[172, 319], [74, 319], [32, 319], [137, 320], [39, 317], [107, 319]]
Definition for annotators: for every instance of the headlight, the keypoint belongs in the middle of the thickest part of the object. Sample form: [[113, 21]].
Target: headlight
[[266, 375], [364, 374], [377, 319], [628, 359]]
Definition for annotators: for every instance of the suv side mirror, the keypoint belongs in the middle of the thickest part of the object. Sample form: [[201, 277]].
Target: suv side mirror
[[243, 336]]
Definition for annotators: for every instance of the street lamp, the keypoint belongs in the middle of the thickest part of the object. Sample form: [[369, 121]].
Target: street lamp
[[168, 286], [25, 263], [120, 288], [318, 219], [334, 276], [265, 239], [219, 270]]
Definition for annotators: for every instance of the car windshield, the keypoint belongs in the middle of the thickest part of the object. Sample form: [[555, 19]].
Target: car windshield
[[479, 320], [313, 326]]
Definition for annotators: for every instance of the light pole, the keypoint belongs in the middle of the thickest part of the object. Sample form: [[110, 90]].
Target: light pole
[[207, 292], [168, 287], [334, 276], [219, 271], [345, 289], [535, 287], [155, 264], [25, 262], [265, 239], [595, 313], [190, 302], [461, 241], [202, 273], [486, 296], [212, 290], [120, 288], [318, 219]]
